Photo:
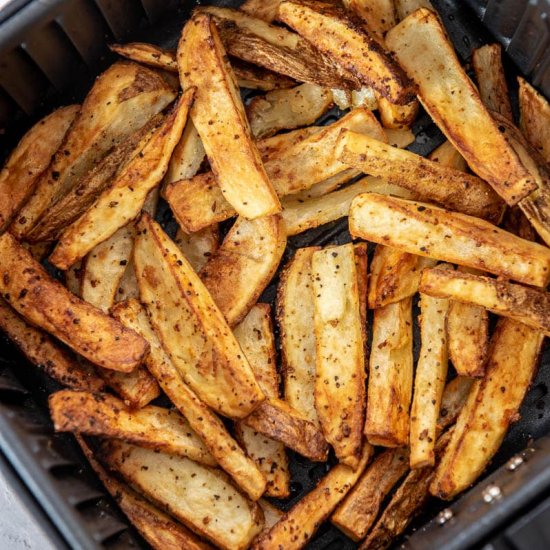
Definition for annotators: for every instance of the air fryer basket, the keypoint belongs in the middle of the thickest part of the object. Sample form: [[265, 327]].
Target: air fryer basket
[[49, 54]]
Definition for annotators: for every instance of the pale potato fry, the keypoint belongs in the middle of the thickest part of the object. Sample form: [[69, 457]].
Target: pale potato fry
[[429, 231], [263, 9], [47, 304], [405, 7], [491, 81], [121, 101], [190, 326], [399, 137], [377, 15], [222, 124], [106, 416], [342, 98], [421, 46], [123, 201], [429, 180], [340, 368], [301, 522], [390, 375], [364, 97], [200, 246], [187, 156], [201, 498], [30, 158], [447, 155], [491, 407], [534, 112]]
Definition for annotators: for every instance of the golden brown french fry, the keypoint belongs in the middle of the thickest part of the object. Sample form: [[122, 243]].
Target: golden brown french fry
[[421, 46], [390, 375], [122, 202], [121, 101], [377, 15], [426, 230], [202, 420], [534, 112], [491, 407], [429, 180], [47, 304], [201, 498], [397, 116], [447, 155], [200, 246], [137, 388], [190, 326], [30, 158], [330, 29], [148, 54], [106, 416], [187, 156], [405, 7], [233, 155], [263, 9], [301, 522], [491, 81], [340, 368]]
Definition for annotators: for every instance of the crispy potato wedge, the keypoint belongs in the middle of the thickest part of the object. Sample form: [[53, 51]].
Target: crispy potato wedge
[[336, 33], [429, 180], [202, 420], [426, 230], [238, 272], [534, 112], [47, 304], [301, 522], [200, 246], [340, 368], [287, 109], [421, 46], [201, 498], [492, 405], [123, 201], [191, 327], [377, 15], [121, 101], [45, 352], [106, 416], [491, 81], [262, 9], [232, 153], [160, 530], [447, 155], [30, 158], [187, 156], [148, 54], [390, 375], [523, 304]]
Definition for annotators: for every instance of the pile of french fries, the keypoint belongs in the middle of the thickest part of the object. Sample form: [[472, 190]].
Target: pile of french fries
[[142, 314]]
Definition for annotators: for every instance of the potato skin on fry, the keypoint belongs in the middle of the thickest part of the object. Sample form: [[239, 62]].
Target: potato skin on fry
[[534, 118]]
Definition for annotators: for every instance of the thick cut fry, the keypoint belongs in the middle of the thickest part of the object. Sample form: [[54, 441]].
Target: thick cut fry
[[422, 48], [492, 405], [534, 119], [123, 201], [45, 303], [121, 101], [221, 123], [429, 231], [190, 326], [301, 522], [287, 109], [106, 416], [377, 15], [447, 155], [397, 116], [30, 158], [431, 181], [262, 9], [238, 272], [137, 388], [201, 498], [491, 81], [202, 420], [334, 32], [523, 304], [200, 246], [340, 368], [187, 156], [390, 375]]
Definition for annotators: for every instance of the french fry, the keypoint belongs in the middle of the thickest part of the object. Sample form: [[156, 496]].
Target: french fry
[[377, 15], [187, 156], [137, 388], [523, 304], [340, 368], [492, 405], [190, 326], [399, 137], [30, 158], [491, 81], [397, 116], [390, 375], [201, 498], [447, 155], [106, 416], [405, 7], [45, 303], [120, 102], [421, 46], [274, 145], [123, 201], [238, 272], [263, 9], [534, 112], [301, 522], [257, 78], [334, 32], [200, 246], [234, 158], [429, 180], [429, 231]]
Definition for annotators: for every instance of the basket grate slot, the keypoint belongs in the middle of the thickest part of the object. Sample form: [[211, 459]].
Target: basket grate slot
[[122, 16]]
